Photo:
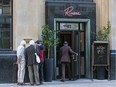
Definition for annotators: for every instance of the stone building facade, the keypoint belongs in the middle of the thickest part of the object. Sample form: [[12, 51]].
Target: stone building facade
[[23, 19]]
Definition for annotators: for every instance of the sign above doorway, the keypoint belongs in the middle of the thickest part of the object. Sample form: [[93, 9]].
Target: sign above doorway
[[69, 11], [69, 26]]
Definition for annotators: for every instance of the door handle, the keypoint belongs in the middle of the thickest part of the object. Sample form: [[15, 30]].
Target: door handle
[[75, 57]]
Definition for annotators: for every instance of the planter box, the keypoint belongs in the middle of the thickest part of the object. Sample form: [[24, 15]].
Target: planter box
[[48, 70]]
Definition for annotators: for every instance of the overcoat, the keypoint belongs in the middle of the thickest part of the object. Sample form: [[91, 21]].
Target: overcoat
[[65, 53], [30, 55]]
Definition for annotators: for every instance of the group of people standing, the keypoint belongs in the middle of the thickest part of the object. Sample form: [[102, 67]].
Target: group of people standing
[[26, 57]]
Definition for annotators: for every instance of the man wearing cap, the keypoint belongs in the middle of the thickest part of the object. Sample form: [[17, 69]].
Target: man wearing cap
[[21, 62], [65, 51]]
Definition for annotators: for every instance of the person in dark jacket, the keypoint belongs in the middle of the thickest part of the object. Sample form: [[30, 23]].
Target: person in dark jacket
[[65, 51], [41, 54], [31, 63]]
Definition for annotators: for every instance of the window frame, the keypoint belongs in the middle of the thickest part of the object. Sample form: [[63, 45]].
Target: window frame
[[5, 16]]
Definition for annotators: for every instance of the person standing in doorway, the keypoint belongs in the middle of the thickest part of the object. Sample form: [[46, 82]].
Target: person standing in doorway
[[65, 51], [41, 50], [21, 63], [31, 63]]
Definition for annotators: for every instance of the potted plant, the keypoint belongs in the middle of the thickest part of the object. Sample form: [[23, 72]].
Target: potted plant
[[49, 41], [103, 35], [102, 39]]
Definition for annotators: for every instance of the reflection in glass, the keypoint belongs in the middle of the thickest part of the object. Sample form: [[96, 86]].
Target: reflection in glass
[[1, 20], [6, 10], [82, 41], [81, 26], [6, 2], [0, 10], [5, 24], [0, 1]]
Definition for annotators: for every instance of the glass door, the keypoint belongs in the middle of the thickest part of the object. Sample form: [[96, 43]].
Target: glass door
[[75, 65], [72, 37], [78, 45], [74, 34]]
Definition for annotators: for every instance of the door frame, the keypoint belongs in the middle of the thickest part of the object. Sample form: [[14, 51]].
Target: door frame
[[87, 32]]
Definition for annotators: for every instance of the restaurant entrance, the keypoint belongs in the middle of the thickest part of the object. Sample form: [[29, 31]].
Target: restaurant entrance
[[74, 34]]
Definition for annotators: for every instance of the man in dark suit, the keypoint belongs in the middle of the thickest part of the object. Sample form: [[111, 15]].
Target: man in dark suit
[[65, 51], [31, 63]]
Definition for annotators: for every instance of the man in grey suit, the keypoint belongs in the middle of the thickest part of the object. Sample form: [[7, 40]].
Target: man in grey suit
[[65, 51], [31, 63]]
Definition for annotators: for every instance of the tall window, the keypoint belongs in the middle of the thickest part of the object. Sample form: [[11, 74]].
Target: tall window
[[6, 24]]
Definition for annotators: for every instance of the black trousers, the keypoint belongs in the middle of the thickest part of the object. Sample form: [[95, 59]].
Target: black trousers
[[63, 65], [41, 75]]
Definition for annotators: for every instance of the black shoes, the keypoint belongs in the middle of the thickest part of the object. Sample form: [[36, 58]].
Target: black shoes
[[37, 84], [62, 80], [20, 84], [41, 82], [32, 84], [70, 79]]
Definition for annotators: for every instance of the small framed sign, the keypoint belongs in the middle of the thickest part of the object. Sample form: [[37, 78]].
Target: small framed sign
[[100, 56], [100, 53]]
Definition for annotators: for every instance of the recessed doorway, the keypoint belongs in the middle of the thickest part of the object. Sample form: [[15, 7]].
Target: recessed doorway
[[77, 33], [74, 34]]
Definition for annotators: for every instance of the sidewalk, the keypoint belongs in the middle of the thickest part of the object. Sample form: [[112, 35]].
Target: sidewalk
[[76, 83]]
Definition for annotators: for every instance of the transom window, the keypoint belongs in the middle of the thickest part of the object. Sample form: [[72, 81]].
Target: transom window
[[6, 24]]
